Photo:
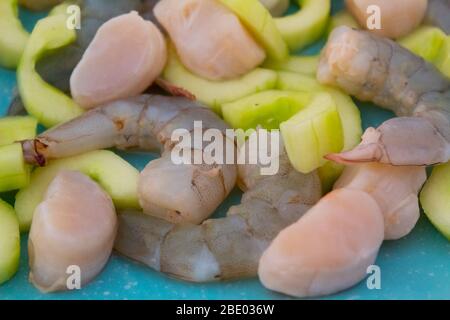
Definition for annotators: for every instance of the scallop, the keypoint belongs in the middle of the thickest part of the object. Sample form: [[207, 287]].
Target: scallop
[[73, 229]]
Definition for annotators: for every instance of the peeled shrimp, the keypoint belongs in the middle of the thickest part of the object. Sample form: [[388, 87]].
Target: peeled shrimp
[[224, 248], [379, 70], [177, 193], [328, 249], [438, 14], [75, 225], [117, 65], [209, 39], [398, 18], [395, 189]]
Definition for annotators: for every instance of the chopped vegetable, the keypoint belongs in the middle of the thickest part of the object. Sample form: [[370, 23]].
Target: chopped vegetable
[[9, 242], [13, 36], [435, 199], [215, 93], [13, 129], [14, 172], [307, 25], [115, 175], [266, 109], [342, 18], [46, 103], [301, 64], [313, 133], [261, 24]]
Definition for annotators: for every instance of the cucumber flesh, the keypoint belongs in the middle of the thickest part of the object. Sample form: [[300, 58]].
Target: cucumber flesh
[[13, 129], [313, 133], [115, 175], [216, 93], [301, 64], [9, 242], [435, 199], [342, 18], [14, 172], [425, 42]]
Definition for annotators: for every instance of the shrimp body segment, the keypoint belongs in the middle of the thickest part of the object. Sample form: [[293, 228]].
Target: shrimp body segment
[[224, 248], [377, 69], [177, 193]]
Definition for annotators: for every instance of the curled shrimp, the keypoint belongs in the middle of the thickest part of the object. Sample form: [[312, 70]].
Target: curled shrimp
[[377, 69], [177, 193], [224, 248], [438, 14]]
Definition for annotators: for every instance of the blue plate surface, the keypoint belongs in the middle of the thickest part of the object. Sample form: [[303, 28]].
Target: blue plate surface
[[416, 267]]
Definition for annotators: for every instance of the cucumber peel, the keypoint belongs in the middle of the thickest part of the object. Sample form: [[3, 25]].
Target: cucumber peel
[[266, 109], [216, 93], [312, 133], [13, 129], [13, 37], [305, 26], [14, 172], [435, 199], [9, 242], [47, 104], [260, 23], [115, 175]]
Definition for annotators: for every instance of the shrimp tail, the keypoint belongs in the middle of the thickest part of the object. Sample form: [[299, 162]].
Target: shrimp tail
[[386, 144]]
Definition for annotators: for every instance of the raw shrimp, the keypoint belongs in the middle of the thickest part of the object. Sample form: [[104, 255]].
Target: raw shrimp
[[209, 39], [75, 225], [328, 249], [438, 14], [137, 61], [379, 70], [177, 193], [398, 18], [395, 189], [224, 248]]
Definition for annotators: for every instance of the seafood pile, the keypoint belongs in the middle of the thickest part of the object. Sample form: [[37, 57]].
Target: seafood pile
[[155, 75]]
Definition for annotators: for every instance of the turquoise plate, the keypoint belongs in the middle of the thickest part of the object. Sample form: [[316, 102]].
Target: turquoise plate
[[416, 267]]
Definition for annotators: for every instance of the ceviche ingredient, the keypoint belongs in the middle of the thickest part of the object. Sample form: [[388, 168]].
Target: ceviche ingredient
[[261, 25], [395, 189], [116, 65], [225, 51], [43, 101], [300, 64], [377, 69], [74, 225], [328, 250], [147, 122], [302, 28], [266, 109], [14, 129], [39, 4], [398, 18], [276, 7], [216, 93], [9, 242], [342, 18], [223, 248], [438, 14], [435, 199], [312, 133], [13, 37], [116, 176], [14, 172]]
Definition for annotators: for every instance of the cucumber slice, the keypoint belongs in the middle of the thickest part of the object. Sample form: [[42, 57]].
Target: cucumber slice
[[9, 242], [297, 82], [342, 18], [14, 129], [435, 199], [14, 172], [260, 23], [442, 61], [115, 175], [13, 37], [301, 64], [425, 42], [307, 25], [215, 93], [313, 133], [46, 103], [266, 109]]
